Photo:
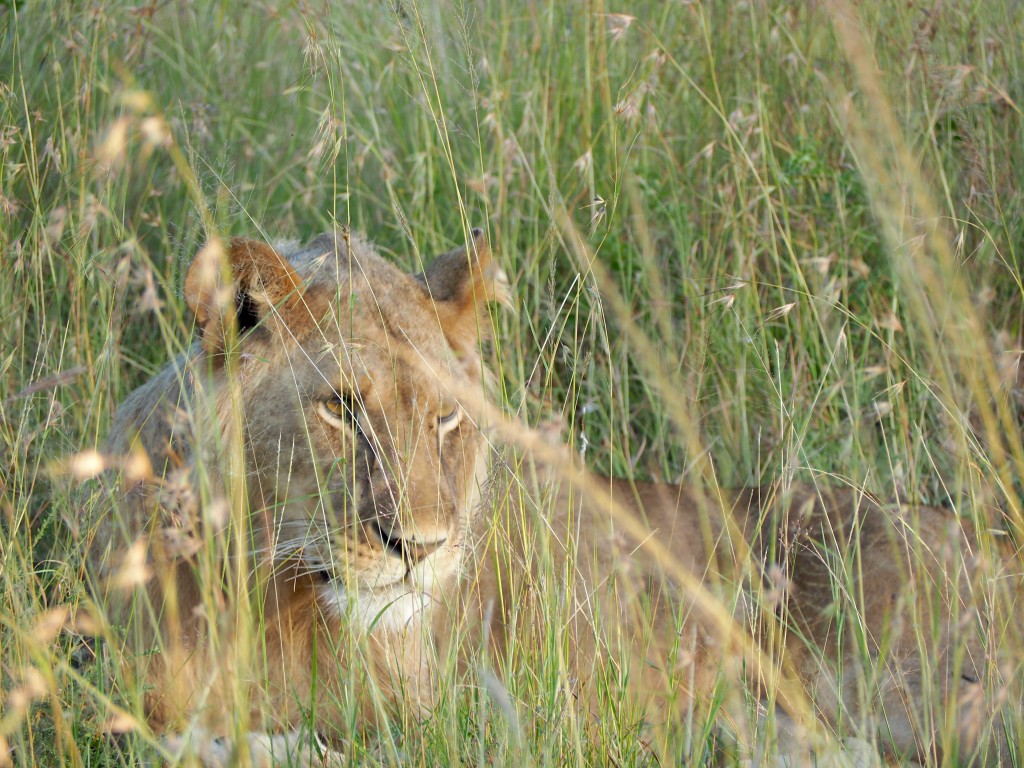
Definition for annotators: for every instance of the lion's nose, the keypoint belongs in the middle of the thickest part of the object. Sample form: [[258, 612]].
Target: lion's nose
[[411, 549]]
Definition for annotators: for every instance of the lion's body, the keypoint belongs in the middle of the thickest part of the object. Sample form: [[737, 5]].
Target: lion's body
[[853, 579], [345, 422]]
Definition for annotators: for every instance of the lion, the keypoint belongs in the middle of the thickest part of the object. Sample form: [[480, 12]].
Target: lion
[[312, 514]]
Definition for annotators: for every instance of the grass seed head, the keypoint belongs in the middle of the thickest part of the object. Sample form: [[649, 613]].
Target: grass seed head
[[135, 570], [86, 465]]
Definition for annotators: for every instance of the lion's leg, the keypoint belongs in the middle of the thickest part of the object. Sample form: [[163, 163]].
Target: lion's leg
[[173, 646], [890, 607], [793, 747], [294, 748], [925, 689], [896, 704]]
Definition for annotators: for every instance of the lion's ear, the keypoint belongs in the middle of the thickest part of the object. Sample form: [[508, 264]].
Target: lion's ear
[[263, 284], [460, 283]]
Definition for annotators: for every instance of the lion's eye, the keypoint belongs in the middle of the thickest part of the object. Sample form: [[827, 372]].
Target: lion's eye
[[339, 410], [449, 422]]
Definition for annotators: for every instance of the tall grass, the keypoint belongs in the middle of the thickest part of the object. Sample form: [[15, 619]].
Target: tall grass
[[748, 241]]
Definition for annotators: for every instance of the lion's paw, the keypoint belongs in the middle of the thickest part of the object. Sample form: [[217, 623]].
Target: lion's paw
[[292, 749]]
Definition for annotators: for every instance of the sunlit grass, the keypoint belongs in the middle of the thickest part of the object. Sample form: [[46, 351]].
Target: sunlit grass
[[748, 242]]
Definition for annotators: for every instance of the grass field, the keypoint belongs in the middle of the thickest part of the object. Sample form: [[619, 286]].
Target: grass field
[[748, 241]]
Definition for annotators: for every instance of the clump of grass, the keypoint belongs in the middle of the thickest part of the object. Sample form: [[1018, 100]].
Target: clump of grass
[[749, 242]]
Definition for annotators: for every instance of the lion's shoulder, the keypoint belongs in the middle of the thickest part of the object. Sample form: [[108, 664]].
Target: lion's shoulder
[[155, 415]]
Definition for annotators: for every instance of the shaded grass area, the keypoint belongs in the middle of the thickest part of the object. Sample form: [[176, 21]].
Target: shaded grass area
[[813, 223]]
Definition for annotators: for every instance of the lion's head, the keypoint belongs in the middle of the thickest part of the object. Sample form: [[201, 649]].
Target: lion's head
[[363, 451]]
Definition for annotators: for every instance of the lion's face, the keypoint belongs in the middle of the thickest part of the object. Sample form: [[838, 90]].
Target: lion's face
[[361, 387]]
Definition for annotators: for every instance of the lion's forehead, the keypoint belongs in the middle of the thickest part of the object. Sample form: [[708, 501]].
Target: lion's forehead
[[383, 364], [397, 309], [412, 342], [376, 328], [358, 294], [354, 273], [394, 328]]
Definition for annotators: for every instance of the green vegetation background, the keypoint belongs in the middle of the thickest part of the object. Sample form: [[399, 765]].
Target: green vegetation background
[[754, 239]]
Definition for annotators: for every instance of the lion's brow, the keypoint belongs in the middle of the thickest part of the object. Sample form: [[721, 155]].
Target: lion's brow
[[336, 349]]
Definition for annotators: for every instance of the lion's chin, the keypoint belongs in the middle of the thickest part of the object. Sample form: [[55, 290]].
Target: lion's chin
[[394, 605], [397, 607]]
